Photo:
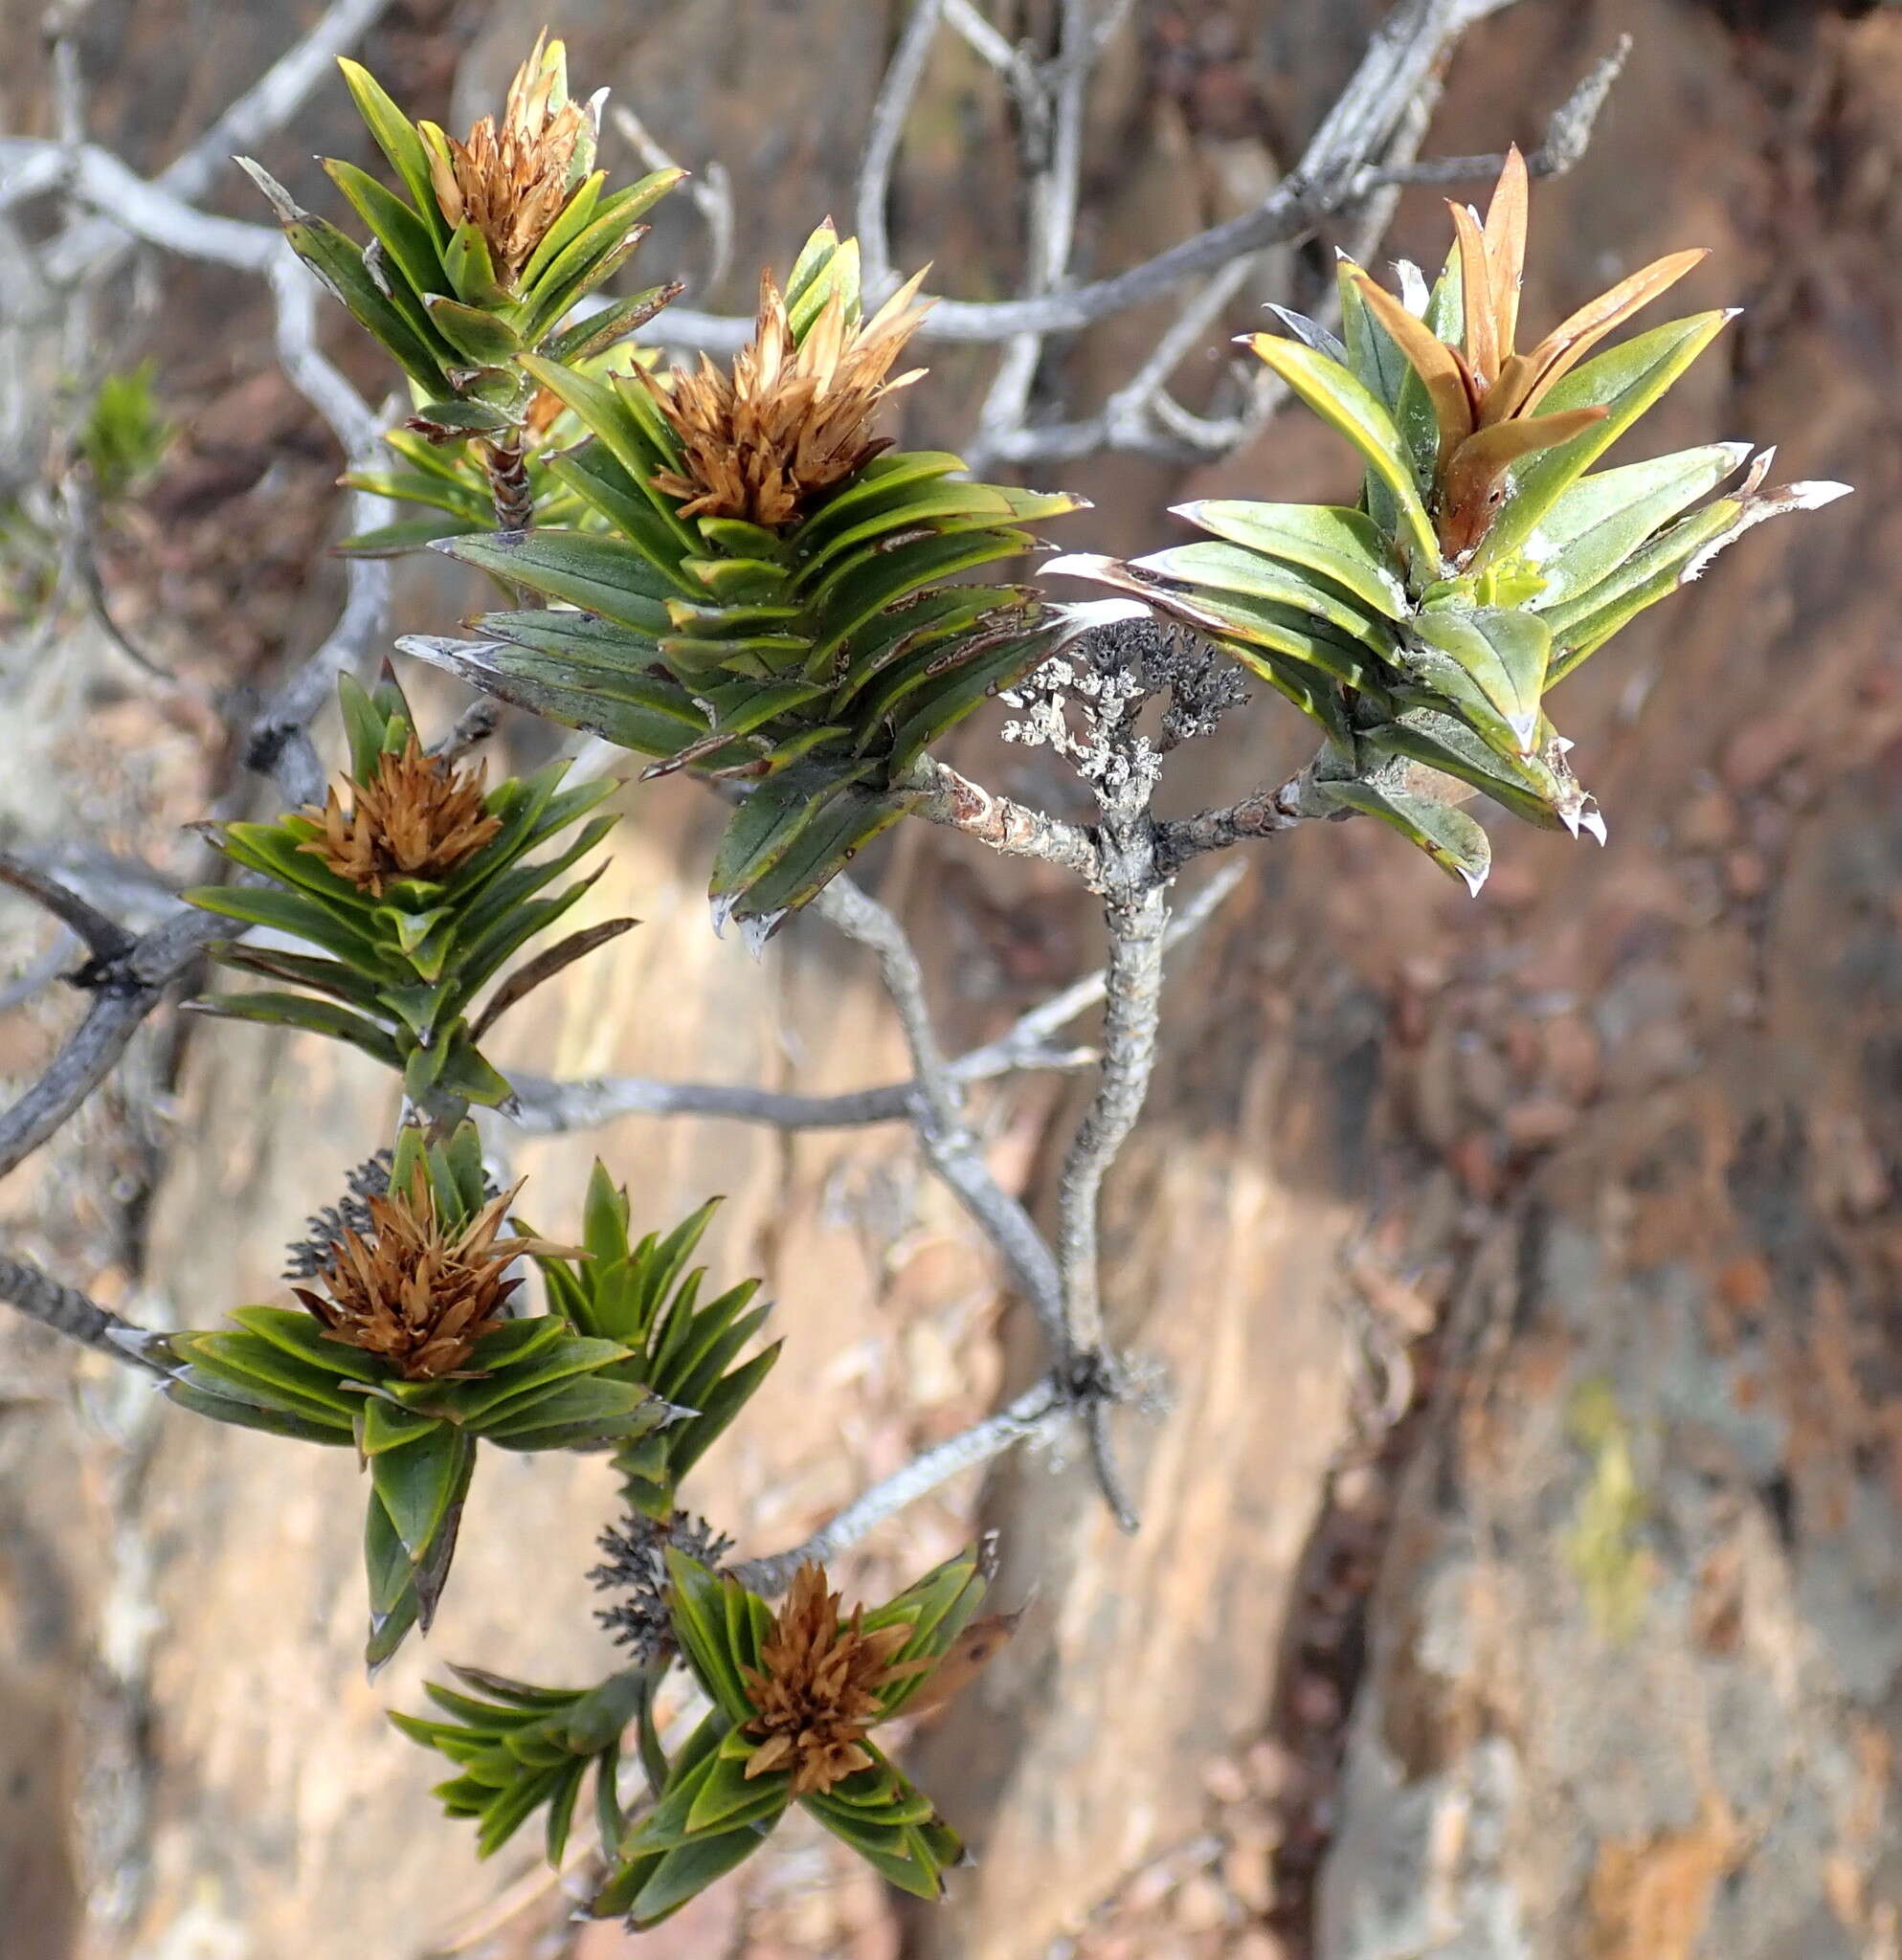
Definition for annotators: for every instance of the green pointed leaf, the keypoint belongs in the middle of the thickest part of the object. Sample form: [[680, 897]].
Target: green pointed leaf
[[1626, 381], [1346, 405], [1505, 653], [481, 337], [397, 139], [1450, 836], [1599, 521], [603, 575], [471, 270], [1224, 568], [407, 239], [1341, 545], [417, 1481]]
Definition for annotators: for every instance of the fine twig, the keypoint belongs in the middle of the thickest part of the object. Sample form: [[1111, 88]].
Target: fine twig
[[68, 1311], [949, 1146], [1050, 135], [93, 244], [1039, 1412], [1263, 815], [1402, 55], [105, 939], [886, 129], [550, 1108]]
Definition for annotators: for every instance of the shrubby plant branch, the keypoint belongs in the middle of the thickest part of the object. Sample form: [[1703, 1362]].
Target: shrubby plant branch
[[732, 570]]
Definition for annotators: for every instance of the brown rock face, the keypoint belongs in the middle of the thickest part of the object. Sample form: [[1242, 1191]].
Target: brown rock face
[[1521, 1573]]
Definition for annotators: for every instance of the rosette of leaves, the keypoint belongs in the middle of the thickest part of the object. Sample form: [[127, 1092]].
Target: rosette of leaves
[[415, 897], [778, 597], [795, 1696], [481, 254], [1485, 560], [682, 1348], [518, 1747], [405, 1349]]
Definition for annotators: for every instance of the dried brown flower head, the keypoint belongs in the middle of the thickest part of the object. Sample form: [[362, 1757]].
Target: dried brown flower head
[[1484, 392], [416, 1295], [512, 181], [817, 1690], [417, 816], [790, 421]]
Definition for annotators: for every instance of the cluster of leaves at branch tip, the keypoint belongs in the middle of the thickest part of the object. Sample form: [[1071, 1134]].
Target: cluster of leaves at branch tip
[[416, 888], [766, 591], [1423, 628], [795, 1696], [484, 251], [740, 576], [408, 1347]]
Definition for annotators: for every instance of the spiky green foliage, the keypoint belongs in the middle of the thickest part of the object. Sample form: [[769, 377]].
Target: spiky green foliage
[[684, 1350], [451, 487], [518, 1749], [815, 660], [397, 972], [1425, 659], [528, 1384], [710, 1814], [436, 286]]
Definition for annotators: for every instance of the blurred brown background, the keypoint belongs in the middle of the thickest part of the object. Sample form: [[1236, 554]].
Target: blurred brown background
[[1522, 1566]]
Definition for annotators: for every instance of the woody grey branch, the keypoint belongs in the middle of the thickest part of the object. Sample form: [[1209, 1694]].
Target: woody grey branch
[[1039, 1412], [939, 1113], [1405, 52], [68, 1311], [547, 1108]]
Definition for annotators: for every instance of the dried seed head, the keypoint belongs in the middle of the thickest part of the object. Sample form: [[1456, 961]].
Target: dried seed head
[[416, 1295], [818, 1691], [789, 422], [512, 181], [636, 1564], [306, 1256], [417, 816]]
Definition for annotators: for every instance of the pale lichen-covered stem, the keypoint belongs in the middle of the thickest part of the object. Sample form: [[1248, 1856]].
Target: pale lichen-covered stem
[[956, 803], [1263, 815], [68, 1311], [1038, 1411]]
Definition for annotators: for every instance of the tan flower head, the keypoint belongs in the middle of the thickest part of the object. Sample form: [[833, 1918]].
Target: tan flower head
[[417, 816], [818, 1687], [416, 1295], [512, 181], [1485, 393], [791, 420]]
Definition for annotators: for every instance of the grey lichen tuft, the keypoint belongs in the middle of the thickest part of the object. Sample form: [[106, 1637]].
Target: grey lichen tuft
[[636, 1565]]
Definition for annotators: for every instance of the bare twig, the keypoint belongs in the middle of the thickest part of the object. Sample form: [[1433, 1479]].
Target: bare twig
[[67, 1311], [1403, 55], [886, 129], [545, 1108], [1051, 138], [261, 110], [1039, 1412], [1568, 135], [105, 939], [947, 1144], [984, 38], [124, 991]]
